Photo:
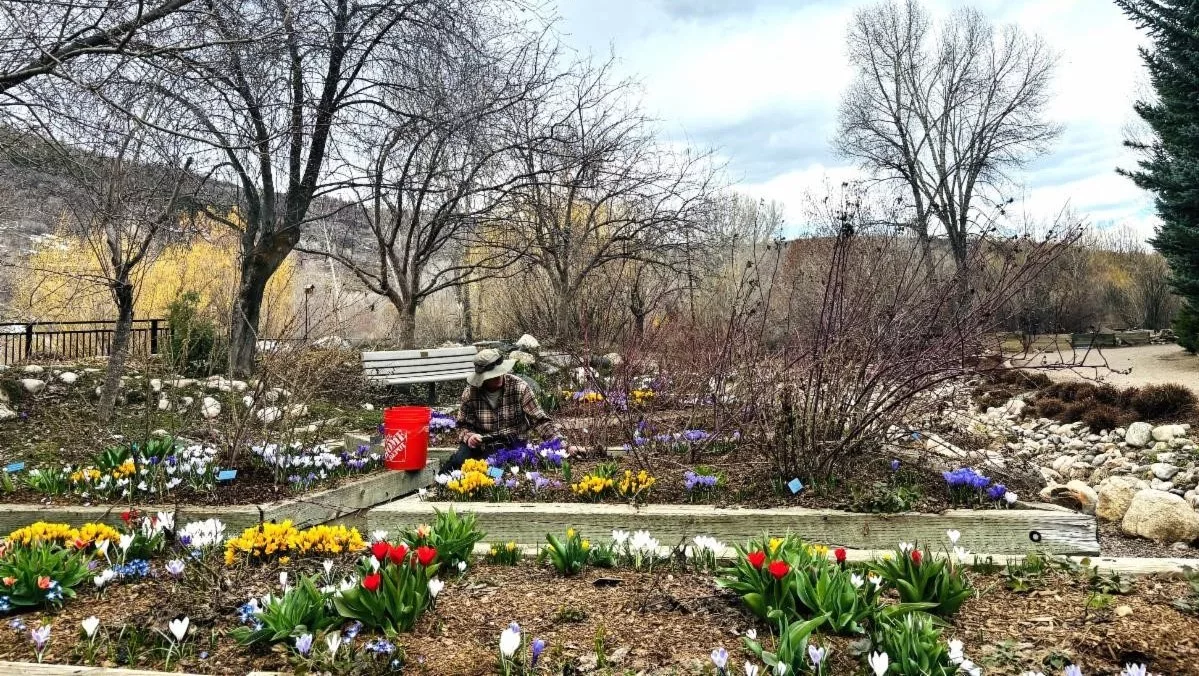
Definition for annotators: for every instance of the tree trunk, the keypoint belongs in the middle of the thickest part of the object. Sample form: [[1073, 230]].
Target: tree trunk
[[247, 309], [123, 294], [566, 315], [468, 329], [406, 328]]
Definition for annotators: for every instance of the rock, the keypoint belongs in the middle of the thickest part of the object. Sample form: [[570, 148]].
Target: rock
[[210, 408], [1139, 434], [33, 385], [91, 371], [269, 414], [613, 359], [160, 433], [1168, 432], [1085, 495], [183, 382], [1162, 517], [297, 410], [368, 407], [33, 369], [1115, 495], [247, 401], [1050, 475], [186, 402], [239, 385], [7, 413], [1159, 485], [522, 357], [155, 385], [68, 377], [1163, 470], [1014, 407], [164, 404], [527, 342], [271, 395], [331, 343]]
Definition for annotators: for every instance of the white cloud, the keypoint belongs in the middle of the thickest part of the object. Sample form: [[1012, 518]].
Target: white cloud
[[762, 78]]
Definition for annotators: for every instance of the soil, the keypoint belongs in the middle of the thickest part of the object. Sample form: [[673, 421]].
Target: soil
[[1113, 542], [664, 621]]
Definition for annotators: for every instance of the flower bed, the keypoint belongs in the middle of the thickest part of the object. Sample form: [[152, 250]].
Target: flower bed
[[305, 600]]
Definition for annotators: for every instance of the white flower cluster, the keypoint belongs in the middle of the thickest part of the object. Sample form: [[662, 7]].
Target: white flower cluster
[[202, 534]]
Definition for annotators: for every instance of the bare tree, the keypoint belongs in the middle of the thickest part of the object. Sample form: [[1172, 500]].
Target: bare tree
[[440, 169], [604, 189], [40, 38], [127, 189], [946, 113], [268, 97]]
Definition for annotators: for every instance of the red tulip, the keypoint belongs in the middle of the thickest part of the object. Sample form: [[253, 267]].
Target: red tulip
[[425, 555], [43, 582], [380, 549], [839, 553], [371, 582], [127, 515], [398, 553], [916, 556], [756, 559], [779, 569]]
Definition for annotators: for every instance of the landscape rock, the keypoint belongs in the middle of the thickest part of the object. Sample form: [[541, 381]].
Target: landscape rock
[[33, 385], [210, 408], [527, 342], [7, 413], [33, 369], [269, 414], [1086, 496], [1162, 517], [368, 407], [239, 385], [183, 382], [522, 357], [1075, 495], [186, 402], [1168, 432], [331, 343], [68, 377], [1164, 470], [155, 385], [1139, 434], [164, 404], [297, 410]]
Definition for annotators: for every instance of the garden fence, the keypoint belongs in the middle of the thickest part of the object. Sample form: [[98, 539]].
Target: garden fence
[[22, 341]]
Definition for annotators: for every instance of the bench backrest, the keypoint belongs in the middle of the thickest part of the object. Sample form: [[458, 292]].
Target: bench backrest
[[419, 366]]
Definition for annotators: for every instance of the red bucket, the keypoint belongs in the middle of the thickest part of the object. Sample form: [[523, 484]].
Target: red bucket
[[406, 437]]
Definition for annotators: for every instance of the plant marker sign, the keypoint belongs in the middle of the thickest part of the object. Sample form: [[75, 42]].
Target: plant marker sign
[[14, 467]]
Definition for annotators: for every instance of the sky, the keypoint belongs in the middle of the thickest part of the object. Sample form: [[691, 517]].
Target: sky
[[760, 81]]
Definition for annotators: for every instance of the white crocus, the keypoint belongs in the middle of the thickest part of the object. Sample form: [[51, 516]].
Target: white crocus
[[906, 547], [378, 535], [435, 587], [955, 651], [510, 641], [879, 663], [283, 580], [90, 625], [125, 543], [751, 634], [333, 641], [874, 580], [953, 536], [620, 537], [960, 554], [328, 565], [751, 669], [179, 628], [1010, 498], [780, 669], [856, 580], [970, 668]]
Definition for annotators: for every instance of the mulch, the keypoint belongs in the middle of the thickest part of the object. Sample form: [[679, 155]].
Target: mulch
[[664, 621]]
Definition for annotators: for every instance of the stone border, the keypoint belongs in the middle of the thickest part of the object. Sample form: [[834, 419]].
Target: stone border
[[1008, 532], [307, 510]]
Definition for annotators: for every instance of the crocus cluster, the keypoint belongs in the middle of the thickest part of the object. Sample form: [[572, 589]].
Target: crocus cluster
[[302, 466], [698, 482], [441, 422], [545, 454], [966, 482]]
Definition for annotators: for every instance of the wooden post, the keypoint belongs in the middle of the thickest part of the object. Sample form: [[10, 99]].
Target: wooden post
[[153, 336], [28, 340], [432, 393]]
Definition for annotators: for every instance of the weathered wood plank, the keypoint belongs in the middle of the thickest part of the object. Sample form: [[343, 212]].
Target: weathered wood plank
[[1004, 532], [308, 510], [30, 669]]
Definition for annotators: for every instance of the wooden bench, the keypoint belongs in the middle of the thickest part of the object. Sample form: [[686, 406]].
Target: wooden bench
[[411, 367]]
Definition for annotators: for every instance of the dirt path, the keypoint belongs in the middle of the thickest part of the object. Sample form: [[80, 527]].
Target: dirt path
[[1124, 366]]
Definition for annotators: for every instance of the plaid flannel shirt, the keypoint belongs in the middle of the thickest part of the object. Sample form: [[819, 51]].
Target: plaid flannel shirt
[[517, 413]]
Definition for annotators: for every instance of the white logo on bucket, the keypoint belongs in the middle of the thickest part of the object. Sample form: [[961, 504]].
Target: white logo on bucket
[[395, 446]]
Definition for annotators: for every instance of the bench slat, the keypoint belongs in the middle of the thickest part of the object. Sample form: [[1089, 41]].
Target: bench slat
[[420, 354], [414, 371], [403, 379], [464, 362]]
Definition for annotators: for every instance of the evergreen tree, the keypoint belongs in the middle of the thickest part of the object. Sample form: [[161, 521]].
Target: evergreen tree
[[1170, 163]]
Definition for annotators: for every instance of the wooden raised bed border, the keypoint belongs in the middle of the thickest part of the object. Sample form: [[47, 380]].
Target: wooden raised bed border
[[998, 532], [306, 510]]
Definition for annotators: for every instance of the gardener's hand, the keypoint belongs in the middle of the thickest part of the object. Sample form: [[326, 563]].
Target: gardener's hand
[[473, 440], [575, 451]]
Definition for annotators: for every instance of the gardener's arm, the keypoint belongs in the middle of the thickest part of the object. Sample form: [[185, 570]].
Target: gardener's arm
[[539, 421], [468, 429]]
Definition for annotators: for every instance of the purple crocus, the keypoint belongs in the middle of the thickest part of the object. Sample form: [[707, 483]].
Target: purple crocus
[[537, 648], [175, 567], [895, 464], [304, 644], [40, 637]]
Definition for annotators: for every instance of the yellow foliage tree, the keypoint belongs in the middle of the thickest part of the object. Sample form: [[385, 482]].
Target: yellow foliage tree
[[60, 281]]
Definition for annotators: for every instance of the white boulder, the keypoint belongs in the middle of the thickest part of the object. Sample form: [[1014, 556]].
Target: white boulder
[[527, 342], [269, 414], [297, 410], [1161, 516], [210, 408], [7, 413], [1139, 434], [368, 407], [1115, 495], [33, 385], [32, 369], [164, 404], [522, 357], [68, 377], [155, 385]]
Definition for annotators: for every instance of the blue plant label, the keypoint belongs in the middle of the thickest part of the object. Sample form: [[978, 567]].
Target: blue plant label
[[226, 475], [14, 467], [916, 435], [496, 472], [795, 485]]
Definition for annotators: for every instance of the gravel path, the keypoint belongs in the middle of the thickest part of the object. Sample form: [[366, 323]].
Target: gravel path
[[1124, 366]]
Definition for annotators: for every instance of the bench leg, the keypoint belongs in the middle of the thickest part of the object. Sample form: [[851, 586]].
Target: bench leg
[[432, 394]]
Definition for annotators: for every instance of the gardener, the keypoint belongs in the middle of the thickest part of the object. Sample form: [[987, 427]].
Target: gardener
[[498, 410]]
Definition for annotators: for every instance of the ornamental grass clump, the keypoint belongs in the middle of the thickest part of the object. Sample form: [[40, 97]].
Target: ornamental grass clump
[[921, 578], [792, 653], [276, 540], [912, 645], [393, 590]]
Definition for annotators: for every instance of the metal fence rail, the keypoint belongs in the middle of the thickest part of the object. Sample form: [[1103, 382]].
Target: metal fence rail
[[20, 341]]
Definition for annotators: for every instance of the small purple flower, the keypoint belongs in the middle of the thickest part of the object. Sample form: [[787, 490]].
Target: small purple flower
[[175, 567], [353, 629], [40, 636], [895, 465], [538, 647], [996, 492], [511, 483], [304, 644]]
